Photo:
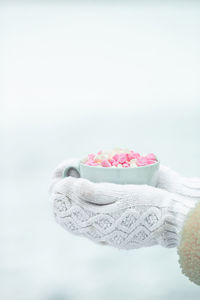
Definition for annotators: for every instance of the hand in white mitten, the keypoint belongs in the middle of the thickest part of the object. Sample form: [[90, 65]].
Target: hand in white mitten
[[124, 216], [133, 216]]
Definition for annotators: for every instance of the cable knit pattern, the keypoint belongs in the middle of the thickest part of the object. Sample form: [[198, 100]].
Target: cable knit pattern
[[126, 228], [123, 216]]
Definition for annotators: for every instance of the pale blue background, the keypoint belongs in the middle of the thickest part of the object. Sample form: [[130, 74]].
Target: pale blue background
[[76, 78]]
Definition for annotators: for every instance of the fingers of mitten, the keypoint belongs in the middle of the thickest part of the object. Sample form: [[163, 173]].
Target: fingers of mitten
[[191, 186], [85, 190], [107, 193], [97, 193], [166, 176], [173, 182]]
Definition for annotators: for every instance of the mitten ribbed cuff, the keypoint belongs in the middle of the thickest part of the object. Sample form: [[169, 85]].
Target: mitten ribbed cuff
[[177, 211]]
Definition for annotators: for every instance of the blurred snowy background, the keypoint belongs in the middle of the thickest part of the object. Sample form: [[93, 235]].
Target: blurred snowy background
[[77, 77]]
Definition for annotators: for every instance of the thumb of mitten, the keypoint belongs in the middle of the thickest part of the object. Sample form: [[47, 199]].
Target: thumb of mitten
[[59, 172]]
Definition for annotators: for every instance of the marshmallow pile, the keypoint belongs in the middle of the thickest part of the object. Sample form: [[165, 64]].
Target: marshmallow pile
[[119, 158]]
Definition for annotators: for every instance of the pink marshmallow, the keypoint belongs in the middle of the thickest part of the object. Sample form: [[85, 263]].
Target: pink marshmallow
[[116, 157], [105, 163], [151, 156], [130, 155], [150, 162], [91, 156], [141, 161], [89, 162], [125, 165], [111, 161], [122, 158], [136, 155]]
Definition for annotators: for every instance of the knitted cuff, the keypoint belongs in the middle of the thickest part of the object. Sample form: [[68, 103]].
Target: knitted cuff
[[176, 212], [189, 247]]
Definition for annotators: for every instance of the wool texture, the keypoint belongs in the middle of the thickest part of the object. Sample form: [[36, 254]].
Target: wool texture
[[189, 247], [124, 216]]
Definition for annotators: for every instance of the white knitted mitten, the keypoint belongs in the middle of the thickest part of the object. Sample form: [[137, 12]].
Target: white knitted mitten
[[124, 216]]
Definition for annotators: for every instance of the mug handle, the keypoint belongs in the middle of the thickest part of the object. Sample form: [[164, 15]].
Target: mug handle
[[73, 169]]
